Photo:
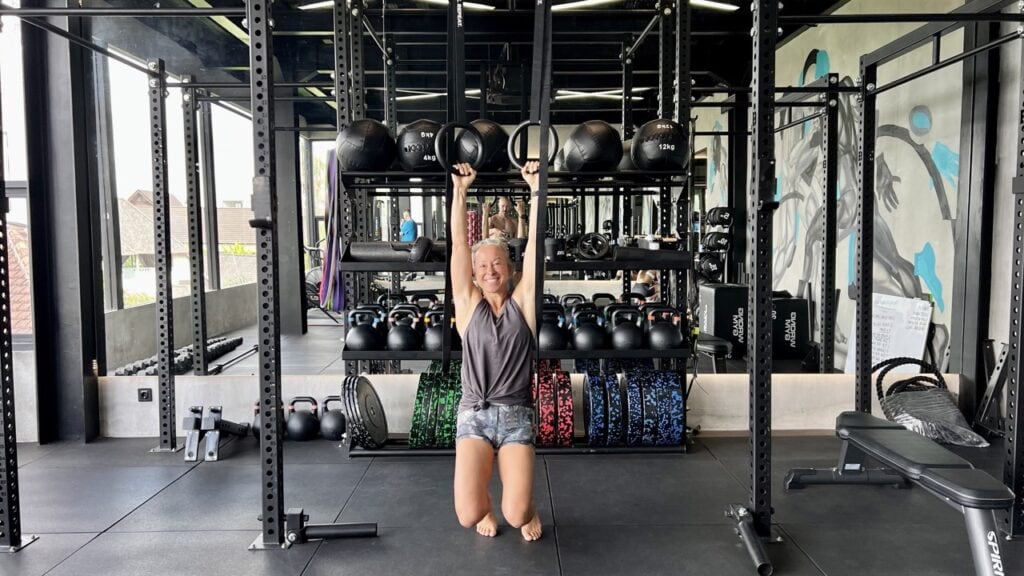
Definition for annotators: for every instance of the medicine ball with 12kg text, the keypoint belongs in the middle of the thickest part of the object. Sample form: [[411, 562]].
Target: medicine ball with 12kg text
[[660, 145]]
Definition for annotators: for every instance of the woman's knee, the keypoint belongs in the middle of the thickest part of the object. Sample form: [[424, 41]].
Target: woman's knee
[[470, 513], [517, 513]]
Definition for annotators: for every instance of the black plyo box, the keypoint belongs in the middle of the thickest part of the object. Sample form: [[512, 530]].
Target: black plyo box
[[723, 314], [791, 328]]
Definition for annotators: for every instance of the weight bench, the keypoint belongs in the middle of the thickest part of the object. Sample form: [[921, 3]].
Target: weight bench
[[718, 349], [908, 456]]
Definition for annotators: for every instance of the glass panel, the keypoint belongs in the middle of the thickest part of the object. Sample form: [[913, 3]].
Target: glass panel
[[233, 173]]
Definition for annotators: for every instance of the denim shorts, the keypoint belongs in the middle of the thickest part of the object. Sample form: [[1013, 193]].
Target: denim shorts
[[499, 425]]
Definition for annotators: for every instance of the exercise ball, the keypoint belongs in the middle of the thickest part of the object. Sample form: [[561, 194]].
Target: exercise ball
[[660, 145], [626, 164], [593, 146], [416, 146], [365, 146], [495, 143]]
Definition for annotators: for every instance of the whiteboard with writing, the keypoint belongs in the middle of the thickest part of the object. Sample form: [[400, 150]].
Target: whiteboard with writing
[[899, 327]]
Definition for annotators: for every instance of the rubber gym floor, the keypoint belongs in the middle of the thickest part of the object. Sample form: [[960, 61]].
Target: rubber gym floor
[[112, 508]]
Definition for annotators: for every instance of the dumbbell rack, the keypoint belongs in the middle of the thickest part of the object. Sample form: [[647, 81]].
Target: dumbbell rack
[[357, 187]]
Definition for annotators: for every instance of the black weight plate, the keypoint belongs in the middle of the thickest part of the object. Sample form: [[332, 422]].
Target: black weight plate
[[614, 396], [350, 411], [650, 394], [594, 398], [634, 411], [371, 414]]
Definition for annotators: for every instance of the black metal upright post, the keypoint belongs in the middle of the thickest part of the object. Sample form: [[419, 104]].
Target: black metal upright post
[[209, 188], [357, 101], [755, 520], [865, 236], [162, 251], [628, 130], [195, 229], [738, 148], [391, 85], [10, 502], [1013, 466], [681, 113], [264, 214], [830, 177]]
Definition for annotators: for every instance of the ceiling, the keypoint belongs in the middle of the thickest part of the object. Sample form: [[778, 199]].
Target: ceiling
[[587, 44]]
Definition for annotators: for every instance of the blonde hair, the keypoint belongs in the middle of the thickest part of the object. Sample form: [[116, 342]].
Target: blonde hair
[[493, 242]]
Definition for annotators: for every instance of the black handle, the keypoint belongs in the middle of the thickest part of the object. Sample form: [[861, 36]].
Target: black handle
[[328, 400], [439, 145], [513, 139], [307, 399]]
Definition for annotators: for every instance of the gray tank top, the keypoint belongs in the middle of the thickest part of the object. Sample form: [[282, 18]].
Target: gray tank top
[[497, 358]]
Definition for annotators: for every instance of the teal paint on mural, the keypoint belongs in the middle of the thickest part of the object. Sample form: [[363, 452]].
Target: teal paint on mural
[[948, 163], [822, 66], [778, 189], [851, 263], [924, 268], [921, 121]]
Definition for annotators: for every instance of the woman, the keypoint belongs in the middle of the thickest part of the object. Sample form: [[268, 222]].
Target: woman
[[498, 329]]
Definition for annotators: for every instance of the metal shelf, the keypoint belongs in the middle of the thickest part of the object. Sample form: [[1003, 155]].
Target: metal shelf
[[347, 355], [433, 183], [402, 449], [612, 354], [585, 265], [391, 266]]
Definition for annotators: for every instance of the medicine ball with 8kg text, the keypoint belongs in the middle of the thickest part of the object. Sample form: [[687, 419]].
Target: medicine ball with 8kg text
[[416, 146]]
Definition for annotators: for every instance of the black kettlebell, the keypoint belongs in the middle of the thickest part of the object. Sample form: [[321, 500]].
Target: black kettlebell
[[303, 424], [550, 299], [607, 312], [569, 301], [363, 333], [425, 301], [552, 330], [663, 328], [332, 422], [382, 318], [603, 299], [627, 329], [434, 332], [404, 334], [388, 300], [589, 333]]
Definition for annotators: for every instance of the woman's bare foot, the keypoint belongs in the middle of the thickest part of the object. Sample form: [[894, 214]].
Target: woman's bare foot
[[533, 529], [488, 526]]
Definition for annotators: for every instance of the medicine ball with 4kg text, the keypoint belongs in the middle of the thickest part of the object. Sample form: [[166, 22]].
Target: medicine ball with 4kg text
[[495, 140], [365, 146], [593, 146], [416, 146], [660, 145]]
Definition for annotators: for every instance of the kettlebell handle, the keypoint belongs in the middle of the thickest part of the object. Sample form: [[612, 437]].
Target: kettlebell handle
[[654, 315], [553, 315], [328, 400], [397, 315], [618, 314], [589, 315], [355, 317], [307, 399]]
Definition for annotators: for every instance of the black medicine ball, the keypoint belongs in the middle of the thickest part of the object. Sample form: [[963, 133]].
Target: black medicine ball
[[560, 160], [660, 145], [365, 146], [495, 139], [593, 146], [416, 146]]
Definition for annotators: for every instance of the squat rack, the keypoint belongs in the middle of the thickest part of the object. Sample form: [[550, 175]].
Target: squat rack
[[754, 520]]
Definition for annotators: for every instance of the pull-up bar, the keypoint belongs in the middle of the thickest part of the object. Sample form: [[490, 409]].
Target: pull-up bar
[[947, 62], [126, 12], [812, 19]]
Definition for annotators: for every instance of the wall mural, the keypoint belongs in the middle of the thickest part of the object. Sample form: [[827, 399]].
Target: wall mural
[[899, 270]]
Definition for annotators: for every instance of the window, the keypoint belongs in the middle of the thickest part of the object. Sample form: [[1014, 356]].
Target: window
[[15, 173], [233, 173]]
